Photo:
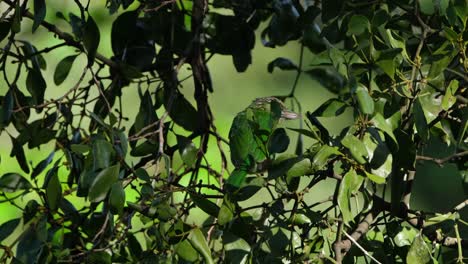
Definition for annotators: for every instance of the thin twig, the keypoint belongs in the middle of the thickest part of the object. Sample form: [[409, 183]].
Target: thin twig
[[360, 247]]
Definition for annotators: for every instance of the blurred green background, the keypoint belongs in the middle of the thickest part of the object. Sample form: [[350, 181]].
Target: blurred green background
[[435, 189]]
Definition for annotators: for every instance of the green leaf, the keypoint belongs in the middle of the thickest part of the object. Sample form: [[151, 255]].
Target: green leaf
[[375, 178], [329, 78], [356, 147], [16, 23], [4, 29], [18, 152], [102, 154], [385, 126], [198, 241], [101, 257], [237, 249], [188, 151], [365, 101], [300, 219], [80, 148], [91, 38], [32, 241], [63, 69], [450, 97], [205, 205], [323, 155], [357, 25], [237, 177], [300, 168], [182, 112], [123, 31], [39, 13], [427, 6], [420, 119], [332, 107], [7, 108], [36, 85], [42, 165], [278, 141], [419, 252], [7, 228], [142, 174], [186, 251], [53, 189], [12, 182], [349, 187], [117, 198], [102, 183], [226, 212], [282, 63]]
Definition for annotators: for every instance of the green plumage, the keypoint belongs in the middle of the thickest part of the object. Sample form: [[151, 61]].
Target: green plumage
[[249, 134]]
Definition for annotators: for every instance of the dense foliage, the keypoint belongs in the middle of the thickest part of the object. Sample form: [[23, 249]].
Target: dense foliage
[[114, 193]]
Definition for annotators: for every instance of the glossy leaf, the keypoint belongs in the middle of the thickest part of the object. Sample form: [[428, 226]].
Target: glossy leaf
[[226, 212], [365, 101], [375, 178], [91, 38], [102, 183], [237, 249], [188, 151], [198, 241], [323, 155], [419, 252], [356, 147], [185, 250], [450, 96], [300, 168], [385, 126], [349, 187], [63, 69]]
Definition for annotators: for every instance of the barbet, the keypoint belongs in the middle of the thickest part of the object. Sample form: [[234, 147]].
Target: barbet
[[249, 137]]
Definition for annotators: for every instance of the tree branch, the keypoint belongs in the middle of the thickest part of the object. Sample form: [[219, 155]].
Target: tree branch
[[441, 162], [66, 37]]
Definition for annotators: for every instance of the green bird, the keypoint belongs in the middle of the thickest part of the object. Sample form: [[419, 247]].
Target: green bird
[[249, 135]]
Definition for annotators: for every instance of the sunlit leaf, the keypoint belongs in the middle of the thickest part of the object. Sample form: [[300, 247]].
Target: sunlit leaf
[[198, 241], [348, 187]]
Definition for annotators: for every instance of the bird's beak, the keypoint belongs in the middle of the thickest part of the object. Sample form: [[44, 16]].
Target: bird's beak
[[286, 114]]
